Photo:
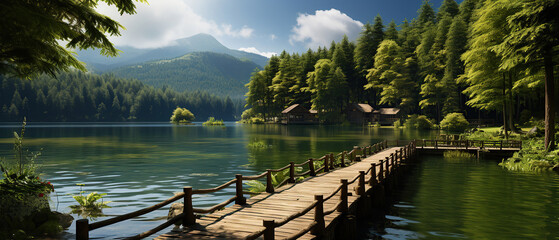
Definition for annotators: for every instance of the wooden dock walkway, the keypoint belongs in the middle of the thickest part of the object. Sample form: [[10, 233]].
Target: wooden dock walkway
[[240, 221], [314, 201]]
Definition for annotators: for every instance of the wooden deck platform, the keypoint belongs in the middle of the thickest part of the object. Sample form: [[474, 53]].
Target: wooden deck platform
[[239, 221]]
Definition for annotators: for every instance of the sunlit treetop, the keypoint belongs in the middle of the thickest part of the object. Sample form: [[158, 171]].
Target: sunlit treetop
[[32, 34]]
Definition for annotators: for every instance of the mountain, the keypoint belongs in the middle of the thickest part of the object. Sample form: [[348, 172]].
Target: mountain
[[131, 55], [216, 73]]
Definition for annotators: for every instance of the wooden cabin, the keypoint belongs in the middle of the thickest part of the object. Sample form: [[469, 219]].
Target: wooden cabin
[[297, 114], [386, 116], [360, 113]]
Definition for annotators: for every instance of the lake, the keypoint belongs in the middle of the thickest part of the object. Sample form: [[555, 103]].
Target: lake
[[140, 164]]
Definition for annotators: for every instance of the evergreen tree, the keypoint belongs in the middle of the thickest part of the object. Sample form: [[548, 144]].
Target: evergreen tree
[[391, 31]]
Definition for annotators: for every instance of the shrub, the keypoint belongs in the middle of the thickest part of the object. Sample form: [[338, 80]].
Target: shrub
[[397, 124], [418, 122], [212, 122], [458, 155], [182, 115], [248, 114], [256, 120], [454, 122]]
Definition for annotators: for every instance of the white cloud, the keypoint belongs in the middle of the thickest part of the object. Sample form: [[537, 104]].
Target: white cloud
[[256, 51], [273, 37], [163, 21], [323, 27]]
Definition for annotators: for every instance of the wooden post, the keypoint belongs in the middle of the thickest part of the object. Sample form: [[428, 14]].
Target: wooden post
[[318, 229], [188, 218], [482, 143], [269, 183], [343, 158], [241, 200], [381, 171], [436, 144], [364, 153], [373, 180], [387, 162], [291, 172], [355, 149], [82, 229], [312, 173], [343, 197], [269, 232], [333, 164], [394, 159], [358, 158], [326, 167], [401, 153], [501, 146], [361, 184]]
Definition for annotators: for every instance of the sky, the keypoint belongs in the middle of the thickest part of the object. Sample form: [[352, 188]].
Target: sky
[[264, 27]]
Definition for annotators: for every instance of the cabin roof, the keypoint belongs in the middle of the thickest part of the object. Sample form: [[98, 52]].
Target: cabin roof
[[389, 111], [295, 108], [363, 107]]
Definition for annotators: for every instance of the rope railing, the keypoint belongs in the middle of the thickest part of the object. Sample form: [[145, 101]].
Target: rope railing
[[215, 207], [188, 217]]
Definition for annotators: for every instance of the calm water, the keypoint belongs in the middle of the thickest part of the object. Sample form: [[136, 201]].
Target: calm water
[[445, 199], [140, 164]]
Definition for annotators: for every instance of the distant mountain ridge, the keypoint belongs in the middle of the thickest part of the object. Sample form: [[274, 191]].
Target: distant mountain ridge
[[130, 55], [216, 73]]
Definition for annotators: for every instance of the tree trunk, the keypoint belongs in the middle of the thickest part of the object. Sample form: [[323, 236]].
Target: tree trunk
[[505, 125], [511, 105], [549, 101]]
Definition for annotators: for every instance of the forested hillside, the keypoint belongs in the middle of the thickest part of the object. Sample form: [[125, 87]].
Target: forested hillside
[[216, 73], [80, 96], [482, 58]]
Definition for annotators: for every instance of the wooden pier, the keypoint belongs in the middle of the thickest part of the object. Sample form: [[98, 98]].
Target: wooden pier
[[321, 200]]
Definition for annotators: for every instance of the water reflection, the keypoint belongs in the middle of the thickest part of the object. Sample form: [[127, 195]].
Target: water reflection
[[472, 199]]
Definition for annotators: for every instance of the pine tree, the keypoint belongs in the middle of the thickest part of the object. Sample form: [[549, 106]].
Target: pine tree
[[391, 31]]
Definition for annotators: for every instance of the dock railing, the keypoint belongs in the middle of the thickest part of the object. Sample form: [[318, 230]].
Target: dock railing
[[329, 161]]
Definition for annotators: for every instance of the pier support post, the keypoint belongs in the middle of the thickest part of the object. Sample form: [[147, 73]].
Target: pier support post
[[291, 172], [318, 229], [188, 218], [332, 164], [269, 233], [241, 200], [381, 171], [361, 184], [269, 183], [343, 208], [373, 180], [82, 229], [312, 173], [343, 158]]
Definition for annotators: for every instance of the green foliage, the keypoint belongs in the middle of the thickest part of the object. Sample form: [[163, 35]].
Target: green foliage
[[213, 122], [532, 157], [454, 122], [88, 205], [256, 120], [397, 124], [182, 115], [20, 174], [33, 31], [458, 155], [327, 86], [277, 178], [258, 144], [418, 122]]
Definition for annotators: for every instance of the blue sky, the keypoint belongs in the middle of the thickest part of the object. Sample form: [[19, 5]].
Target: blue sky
[[260, 26]]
